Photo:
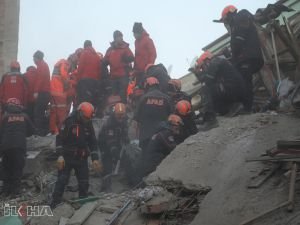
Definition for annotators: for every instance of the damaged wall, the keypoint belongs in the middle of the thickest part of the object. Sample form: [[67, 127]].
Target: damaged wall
[[9, 32]]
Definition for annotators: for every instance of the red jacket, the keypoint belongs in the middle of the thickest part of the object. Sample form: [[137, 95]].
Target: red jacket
[[31, 76], [145, 52], [14, 85], [119, 59], [42, 83], [89, 65]]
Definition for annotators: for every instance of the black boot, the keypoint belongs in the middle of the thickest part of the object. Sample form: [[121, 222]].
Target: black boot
[[209, 122]]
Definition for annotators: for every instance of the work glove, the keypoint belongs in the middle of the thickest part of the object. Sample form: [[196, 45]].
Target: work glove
[[97, 166], [60, 163]]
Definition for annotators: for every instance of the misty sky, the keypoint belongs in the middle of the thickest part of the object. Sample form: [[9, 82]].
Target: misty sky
[[180, 29]]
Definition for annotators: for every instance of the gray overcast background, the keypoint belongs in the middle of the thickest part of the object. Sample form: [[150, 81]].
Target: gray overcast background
[[179, 28]]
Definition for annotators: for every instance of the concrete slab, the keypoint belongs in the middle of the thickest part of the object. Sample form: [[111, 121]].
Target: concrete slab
[[83, 213]]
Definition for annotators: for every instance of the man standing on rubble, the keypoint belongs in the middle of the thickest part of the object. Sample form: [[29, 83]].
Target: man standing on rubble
[[245, 46], [153, 108], [75, 142], [15, 127], [223, 91], [119, 58], [41, 92], [59, 86], [89, 75], [113, 136], [145, 52]]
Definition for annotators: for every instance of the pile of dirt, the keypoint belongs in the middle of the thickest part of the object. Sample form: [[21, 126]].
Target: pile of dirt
[[216, 159]]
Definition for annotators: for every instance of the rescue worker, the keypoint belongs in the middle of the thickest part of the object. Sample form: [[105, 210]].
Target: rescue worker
[[161, 145], [145, 52], [75, 142], [41, 93], [13, 85], [119, 58], [89, 75], [183, 109], [245, 46], [14, 129], [113, 136], [223, 91], [31, 76], [160, 72], [153, 108], [175, 93], [59, 87]]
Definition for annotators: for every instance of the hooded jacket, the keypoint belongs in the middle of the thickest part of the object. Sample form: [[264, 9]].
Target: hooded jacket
[[119, 59], [145, 52]]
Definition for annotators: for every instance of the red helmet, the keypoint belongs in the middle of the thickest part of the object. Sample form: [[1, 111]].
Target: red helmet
[[14, 64], [203, 57], [86, 109], [175, 120], [13, 101], [175, 84], [151, 81], [227, 10], [183, 107]]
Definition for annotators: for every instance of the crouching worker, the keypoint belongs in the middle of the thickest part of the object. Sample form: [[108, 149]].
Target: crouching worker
[[183, 109], [75, 142], [113, 136], [15, 126], [160, 145], [223, 90]]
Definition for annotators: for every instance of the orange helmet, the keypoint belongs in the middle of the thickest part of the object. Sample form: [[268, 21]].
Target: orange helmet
[[227, 10], [203, 57], [175, 120], [183, 107], [151, 81], [14, 64], [86, 109], [119, 111], [175, 84]]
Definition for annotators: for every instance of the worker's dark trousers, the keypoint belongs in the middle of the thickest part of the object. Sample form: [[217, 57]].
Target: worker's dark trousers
[[13, 162], [30, 110], [40, 108], [140, 78], [147, 164], [119, 87], [88, 91], [247, 69], [217, 99], [109, 156], [80, 165], [144, 143]]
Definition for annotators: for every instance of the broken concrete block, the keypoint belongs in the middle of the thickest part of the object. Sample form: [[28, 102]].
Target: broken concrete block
[[83, 213], [97, 218], [163, 202], [63, 210], [63, 221], [107, 208]]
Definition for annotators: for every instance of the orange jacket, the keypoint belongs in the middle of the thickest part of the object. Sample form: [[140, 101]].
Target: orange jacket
[[59, 82]]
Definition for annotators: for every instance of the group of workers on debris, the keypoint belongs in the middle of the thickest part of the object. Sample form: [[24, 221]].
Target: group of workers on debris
[[108, 87]]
